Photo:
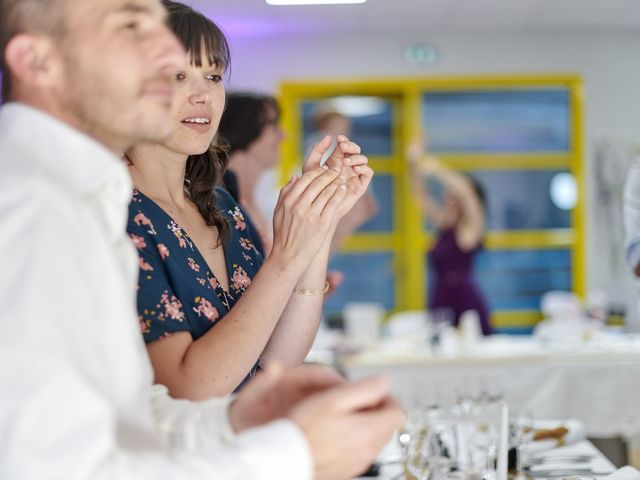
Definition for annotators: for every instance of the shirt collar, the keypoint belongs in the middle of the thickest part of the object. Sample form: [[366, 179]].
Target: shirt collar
[[78, 160], [68, 155]]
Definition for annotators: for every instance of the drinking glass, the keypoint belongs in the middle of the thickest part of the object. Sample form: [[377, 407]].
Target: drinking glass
[[439, 319], [426, 455], [523, 433], [486, 435]]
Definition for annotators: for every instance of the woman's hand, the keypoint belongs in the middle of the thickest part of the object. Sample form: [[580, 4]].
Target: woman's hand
[[419, 160], [347, 156], [305, 213], [415, 151]]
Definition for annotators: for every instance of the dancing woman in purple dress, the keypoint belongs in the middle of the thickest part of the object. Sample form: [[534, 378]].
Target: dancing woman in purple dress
[[460, 221]]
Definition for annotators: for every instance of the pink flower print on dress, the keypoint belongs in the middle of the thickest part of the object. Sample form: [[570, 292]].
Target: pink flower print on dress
[[238, 218], [206, 309], [138, 241], [172, 307], [240, 278], [145, 325], [214, 282], [144, 265], [163, 251], [177, 231], [201, 281], [193, 265], [246, 243], [141, 219]]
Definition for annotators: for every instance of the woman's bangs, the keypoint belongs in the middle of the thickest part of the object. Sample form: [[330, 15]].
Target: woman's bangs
[[201, 38]]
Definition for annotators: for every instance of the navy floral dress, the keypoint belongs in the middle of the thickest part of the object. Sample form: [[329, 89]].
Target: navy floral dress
[[177, 291]]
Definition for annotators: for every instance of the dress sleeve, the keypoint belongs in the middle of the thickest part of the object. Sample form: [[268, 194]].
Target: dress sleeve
[[160, 312]]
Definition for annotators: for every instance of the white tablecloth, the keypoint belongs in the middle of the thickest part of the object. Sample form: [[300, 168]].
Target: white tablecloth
[[597, 382], [598, 462]]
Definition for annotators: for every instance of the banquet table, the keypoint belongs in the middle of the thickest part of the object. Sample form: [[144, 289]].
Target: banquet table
[[597, 382], [598, 463]]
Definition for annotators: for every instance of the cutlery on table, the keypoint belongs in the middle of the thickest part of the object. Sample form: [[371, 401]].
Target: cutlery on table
[[564, 472], [558, 458]]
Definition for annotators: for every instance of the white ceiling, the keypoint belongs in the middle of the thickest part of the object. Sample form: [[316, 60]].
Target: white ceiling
[[255, 18]]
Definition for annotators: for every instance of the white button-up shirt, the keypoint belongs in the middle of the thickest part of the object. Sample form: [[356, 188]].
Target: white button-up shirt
[[632, 215], [76, 400]]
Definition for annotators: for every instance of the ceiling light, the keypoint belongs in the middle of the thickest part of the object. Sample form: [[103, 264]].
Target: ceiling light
[[358, 106], [564, 191], [312, 2]]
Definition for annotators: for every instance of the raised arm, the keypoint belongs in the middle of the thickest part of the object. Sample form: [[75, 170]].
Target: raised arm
[[298, 325], [433, 210], [470, 226]]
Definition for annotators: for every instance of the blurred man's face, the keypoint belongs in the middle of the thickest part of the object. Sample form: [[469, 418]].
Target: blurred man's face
[[118, 64]]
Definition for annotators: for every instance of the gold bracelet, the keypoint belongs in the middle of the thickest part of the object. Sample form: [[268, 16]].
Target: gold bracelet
[[310, 291]]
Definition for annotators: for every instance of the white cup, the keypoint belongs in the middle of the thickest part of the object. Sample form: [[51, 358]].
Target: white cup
[[470, 330], [362, 323]]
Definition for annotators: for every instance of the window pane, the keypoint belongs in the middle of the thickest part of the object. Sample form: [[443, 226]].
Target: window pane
[[368, 277], [521, 199], [517, 279], [518, 199], [497, 121]]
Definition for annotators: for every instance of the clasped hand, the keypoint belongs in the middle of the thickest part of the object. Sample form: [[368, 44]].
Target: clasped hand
[[310, 206], [346, 424], [354, 167]]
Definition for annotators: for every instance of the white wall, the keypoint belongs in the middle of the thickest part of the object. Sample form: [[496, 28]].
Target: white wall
[[608, 62]]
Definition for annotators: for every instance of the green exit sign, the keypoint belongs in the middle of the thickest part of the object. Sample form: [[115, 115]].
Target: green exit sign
[[421, 53]]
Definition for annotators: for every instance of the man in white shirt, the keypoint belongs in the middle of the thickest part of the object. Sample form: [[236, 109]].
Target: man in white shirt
[[84, 81], [632, 217]]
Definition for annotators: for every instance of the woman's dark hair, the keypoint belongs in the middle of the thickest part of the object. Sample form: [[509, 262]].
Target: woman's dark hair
[[245, 115], [203, 39], [479, 190]]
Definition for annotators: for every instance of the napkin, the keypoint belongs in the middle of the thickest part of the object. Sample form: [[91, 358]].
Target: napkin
[[552, 437], [625, 473]]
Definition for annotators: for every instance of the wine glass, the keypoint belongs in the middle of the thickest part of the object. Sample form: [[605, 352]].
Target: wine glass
[[523, 430], [439, 319], [486, 435], [426, 457]]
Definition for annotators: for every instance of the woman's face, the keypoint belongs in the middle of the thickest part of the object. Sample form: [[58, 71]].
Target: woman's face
[[198, 105], [338, 125]]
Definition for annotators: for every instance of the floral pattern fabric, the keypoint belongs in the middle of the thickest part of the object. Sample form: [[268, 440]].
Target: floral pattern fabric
[[176, 289]]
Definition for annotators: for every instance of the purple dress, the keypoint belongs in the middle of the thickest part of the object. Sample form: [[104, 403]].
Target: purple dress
[[455, 287]]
